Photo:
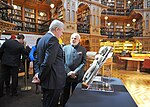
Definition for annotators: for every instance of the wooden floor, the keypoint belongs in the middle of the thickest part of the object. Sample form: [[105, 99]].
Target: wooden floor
[[138, 85]]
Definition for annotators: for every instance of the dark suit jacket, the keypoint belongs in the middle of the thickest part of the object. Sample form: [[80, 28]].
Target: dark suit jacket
[[11, 51], [50, 62], [75, 59]]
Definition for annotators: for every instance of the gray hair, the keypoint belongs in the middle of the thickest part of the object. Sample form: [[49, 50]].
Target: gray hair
[[76, 34], [56, 24]]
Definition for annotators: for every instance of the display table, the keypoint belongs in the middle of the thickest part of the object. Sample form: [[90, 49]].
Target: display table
[[132, 59], [85, 98]]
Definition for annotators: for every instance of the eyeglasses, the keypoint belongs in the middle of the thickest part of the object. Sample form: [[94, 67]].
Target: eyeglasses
[[74, 38]]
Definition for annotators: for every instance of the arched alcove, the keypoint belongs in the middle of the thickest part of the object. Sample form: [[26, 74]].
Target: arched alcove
[[139, 25], [83, 18], [87, 45]]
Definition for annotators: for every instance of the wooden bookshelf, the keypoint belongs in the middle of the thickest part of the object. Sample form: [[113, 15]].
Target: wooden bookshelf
[[17, 18], [120, 4], [60, 12], [83, 20], [139, 26], [25, 15], [121, 8], [27, 20], [120, 46], [4, 25], [30, 21], [128, 31], [42, 18]]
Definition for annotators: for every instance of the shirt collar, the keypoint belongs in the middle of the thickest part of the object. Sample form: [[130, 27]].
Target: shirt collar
[[75, 46], [51, 33]]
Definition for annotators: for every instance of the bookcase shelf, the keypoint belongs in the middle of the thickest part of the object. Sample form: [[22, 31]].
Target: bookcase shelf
[[17, 18], [29, 20], [60, 12], [42, 17], [83, 21], [119, 28], [120, 46], [120, 4]]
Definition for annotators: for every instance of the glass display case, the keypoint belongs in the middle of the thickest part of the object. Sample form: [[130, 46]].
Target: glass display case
[[90, 79]]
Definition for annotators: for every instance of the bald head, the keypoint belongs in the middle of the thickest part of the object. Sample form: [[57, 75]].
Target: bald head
[[75, 39]]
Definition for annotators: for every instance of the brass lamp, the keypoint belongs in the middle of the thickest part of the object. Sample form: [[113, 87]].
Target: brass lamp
[[134, 20], [52, 10], [106, 18], [108, 27]]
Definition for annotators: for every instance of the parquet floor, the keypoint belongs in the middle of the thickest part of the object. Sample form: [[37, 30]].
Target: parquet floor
[[138, 85]]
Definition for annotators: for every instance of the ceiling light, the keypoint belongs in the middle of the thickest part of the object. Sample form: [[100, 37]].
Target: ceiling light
[[41, 14], [133, 20], [109, 24], [128, 24], [106, 17], [52, 5]]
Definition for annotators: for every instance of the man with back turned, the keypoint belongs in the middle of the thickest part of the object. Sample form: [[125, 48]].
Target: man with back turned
[[50, 65], [11, 51]]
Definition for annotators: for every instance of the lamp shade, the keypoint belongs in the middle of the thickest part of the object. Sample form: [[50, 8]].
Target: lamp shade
[[133, 20], [106, 17]]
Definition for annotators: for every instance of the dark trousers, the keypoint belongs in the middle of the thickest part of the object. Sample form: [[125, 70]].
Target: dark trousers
[[51, 97], [4, 74], [68, 90], [7, 81]]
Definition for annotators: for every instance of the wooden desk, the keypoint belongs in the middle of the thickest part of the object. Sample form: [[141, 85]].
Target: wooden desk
[[138, 60]]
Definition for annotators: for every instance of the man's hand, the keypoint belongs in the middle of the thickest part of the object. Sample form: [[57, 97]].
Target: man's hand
[[72, 74], [36, 79]]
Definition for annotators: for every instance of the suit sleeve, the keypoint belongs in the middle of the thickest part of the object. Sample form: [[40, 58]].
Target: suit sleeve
[[2, 50], [67, 69]]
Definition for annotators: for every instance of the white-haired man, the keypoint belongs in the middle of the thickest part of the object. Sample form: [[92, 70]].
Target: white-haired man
[[75, 60], [50, 64]]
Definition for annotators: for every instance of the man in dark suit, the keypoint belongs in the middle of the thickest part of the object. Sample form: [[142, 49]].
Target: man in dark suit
[[50, 65], [75, 60], [11, 51]]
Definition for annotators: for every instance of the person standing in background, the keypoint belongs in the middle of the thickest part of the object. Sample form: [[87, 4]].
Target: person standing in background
[[7, 81], [33, 53], [75, 60], [11, 52], [50, 65], [25, 60]]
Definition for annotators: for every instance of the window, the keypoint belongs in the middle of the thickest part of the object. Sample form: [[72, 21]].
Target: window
[[148, 3], [93, 20], [147, 24], [97, 21], [68, 15], [73, 16]]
